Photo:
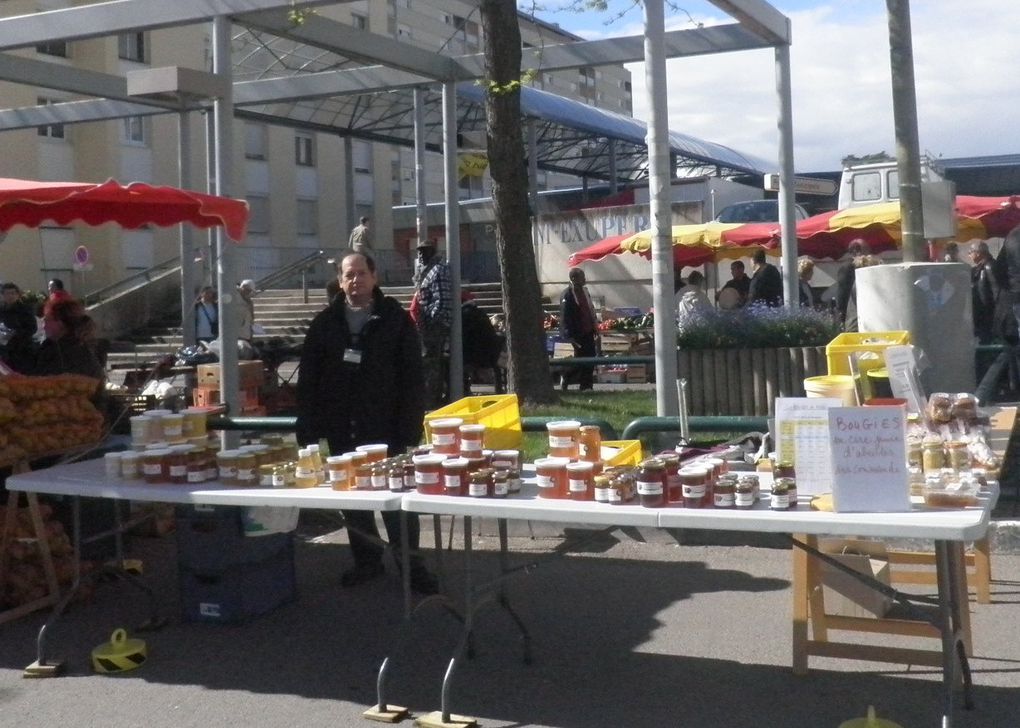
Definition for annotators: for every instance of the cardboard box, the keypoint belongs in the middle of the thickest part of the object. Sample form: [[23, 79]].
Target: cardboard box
[[843, 594], [562, 350], [249, 374], [637, 374]]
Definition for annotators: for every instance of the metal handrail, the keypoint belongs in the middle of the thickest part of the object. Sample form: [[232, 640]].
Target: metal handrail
[[126, 284], [279, 274], [725, 423]]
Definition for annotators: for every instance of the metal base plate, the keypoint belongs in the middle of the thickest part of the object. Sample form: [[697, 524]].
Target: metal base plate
[[435, 720], [53, 669], [392, 714]]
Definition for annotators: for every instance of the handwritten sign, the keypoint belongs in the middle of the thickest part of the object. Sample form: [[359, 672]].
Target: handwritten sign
[[869, 459], [802, 427]]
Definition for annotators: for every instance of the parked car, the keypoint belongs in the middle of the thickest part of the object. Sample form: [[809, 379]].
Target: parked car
[[756, 211]]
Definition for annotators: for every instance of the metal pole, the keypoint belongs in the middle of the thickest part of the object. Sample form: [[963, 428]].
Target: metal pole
[[659, 174], [212, 261], [188, 276], [223, 114], [350, 206], [787, 194], [420, 194], [908, 152], [453, 235], [613, 182]]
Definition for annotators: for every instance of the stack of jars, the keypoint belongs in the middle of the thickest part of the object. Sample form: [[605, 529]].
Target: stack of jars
[[574, 462], [458, 463]]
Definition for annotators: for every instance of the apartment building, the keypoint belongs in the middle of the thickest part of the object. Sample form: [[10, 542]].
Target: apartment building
[[293, 179]]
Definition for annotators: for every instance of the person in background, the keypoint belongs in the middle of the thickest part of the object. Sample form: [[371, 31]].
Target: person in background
[[951, 254], [984, 291], [578, 326], [360, 240], [246, 309], [20, 321], [692, 299], [361, 383], [481, 344], [740, 282], [805, 270], [846, 284], [1007, 273], [69, 347], [56, 293], [766, 287], [434, 315], [207, 315]]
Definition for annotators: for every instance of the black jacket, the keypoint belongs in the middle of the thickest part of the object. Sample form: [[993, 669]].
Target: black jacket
[[68, 356], [766, 287], [984, 293], [379, 400], [19, 318], [570, 317], [1007, 273]]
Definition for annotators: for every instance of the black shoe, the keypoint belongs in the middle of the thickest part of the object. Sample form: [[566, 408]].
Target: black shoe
[[423, 582], [362, 573]]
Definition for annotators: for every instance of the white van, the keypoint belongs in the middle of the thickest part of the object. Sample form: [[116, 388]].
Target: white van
[[866, 184]]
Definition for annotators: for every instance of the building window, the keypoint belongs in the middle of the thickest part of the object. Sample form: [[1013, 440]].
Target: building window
[[359, 22], [304, 150], [53, 131], [258, 214], [254, 141], [132, 130], [362, 154], [53, 48], [131, 47], [307, 212]]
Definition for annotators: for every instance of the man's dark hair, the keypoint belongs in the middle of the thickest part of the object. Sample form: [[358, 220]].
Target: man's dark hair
[[57, 283], [364, 219], [737, 264], [10, 287], [369, 260], [758, 257]]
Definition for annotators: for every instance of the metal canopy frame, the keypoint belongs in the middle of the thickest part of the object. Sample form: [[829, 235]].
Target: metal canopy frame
[[322, 75]]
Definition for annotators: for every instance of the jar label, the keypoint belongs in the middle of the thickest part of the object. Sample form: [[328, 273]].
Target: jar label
[[478, 490], [779, 501], [304, 473], [227, 473], [379, 482], [178, 471], [266, 481], [152, 469], [211, 474], [129, 471], [363, 482], [452, 482], [396, 483], [443, 438], [279, 480], [171, 431], [560, 441], [514, 484], [423, 478], [724, 500], [409, 481], [503, 464], [502, 487], [615, 495], [245, 474], [577, 486], [745, 500], [693, 491], [544, 481], [470, 445], [602, 495], [649, 487], [337, 475]]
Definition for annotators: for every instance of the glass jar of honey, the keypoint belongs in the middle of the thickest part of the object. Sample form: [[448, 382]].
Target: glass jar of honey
[[338, 469], [564, 439], [780, 497], [428, 473], [374, 452], [380, 477], [694, 485], [674, 490], [173, 427], [744, 495], [456, 476], [395, 478], [551, 477], [957, 455], [408, 470], [226, 461], [581, 480], [154, 465], [247, 475], [480, 484], [784, 469], [500, 483], [471, 440], [506, 459], [590, 443], [651, 479], [131, 465], [305, 475], [362, 476], [446, 435], [514, 481], [932, 455], [601, 488], [177, 463], [724, 492]]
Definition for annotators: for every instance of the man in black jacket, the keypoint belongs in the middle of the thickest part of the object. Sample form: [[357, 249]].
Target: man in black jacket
[[360, 382], [20, 321], [766, 283], [984, 291], [579, 326]]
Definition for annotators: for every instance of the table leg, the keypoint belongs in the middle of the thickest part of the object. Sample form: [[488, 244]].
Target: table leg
[[800, 611], [462, 644], [504, 568], [982, 571], [954, 654]]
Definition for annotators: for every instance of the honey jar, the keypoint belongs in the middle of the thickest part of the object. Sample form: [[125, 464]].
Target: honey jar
[[590, 443], [456, 476], [471, 440], [580, 480], [338, 469], [564, 439], [427, 473], [694, 485], [446, 435], [551, 477], [651, 479], [374, 452]]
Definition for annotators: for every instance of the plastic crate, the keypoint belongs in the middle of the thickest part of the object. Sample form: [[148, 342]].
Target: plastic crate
[[627, 452], [499, 413], [838, 351]]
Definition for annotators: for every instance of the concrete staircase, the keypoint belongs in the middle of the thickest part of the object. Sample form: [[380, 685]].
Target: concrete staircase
[[282, 313]]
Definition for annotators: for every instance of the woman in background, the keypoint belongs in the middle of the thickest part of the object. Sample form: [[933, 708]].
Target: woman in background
[[69, 347]]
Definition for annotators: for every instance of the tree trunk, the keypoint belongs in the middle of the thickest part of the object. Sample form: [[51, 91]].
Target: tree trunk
[[529, 373]]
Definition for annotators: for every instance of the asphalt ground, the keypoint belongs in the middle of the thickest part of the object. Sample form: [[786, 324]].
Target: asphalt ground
[[630, 628]]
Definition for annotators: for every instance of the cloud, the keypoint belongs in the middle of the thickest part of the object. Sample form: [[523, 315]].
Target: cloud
[[964, 60]]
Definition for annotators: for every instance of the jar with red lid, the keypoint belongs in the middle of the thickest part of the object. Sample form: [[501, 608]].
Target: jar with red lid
[[694, 485], [456, 476], [651, 482], [580, 480]]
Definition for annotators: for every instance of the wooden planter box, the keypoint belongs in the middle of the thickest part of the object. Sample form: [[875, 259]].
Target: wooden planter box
[[746, 381]]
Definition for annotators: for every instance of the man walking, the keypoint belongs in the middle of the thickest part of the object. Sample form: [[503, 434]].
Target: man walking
[[434, 318], [360, 240], [360, 382], [578, 326]]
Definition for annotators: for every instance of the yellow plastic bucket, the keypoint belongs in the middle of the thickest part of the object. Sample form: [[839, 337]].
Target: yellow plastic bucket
[[870, 721], [838, 386]]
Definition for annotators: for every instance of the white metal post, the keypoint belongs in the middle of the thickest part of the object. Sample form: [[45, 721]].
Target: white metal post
[[453, 235], [187, 234], [787, 194], [420, 194]]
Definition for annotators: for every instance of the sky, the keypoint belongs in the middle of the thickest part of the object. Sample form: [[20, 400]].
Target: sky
[[966, 70]]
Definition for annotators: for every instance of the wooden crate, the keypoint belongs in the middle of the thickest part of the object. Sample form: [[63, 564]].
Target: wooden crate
[[203, 396], [249, 374]]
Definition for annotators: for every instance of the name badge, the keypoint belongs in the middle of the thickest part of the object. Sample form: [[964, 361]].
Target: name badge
[[352, 356]]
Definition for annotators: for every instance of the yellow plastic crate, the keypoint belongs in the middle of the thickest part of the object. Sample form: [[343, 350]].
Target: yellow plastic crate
[[628, 452], [498, 412], [838, 351]]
